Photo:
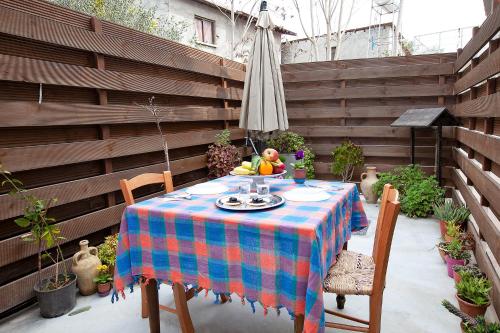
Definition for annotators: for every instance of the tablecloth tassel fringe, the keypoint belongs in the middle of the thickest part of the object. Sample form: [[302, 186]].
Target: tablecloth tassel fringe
[[114, 296], [252, 304], [265, 312], [292, 315], [242, 300], [217, 301], [229, 298], [278, 311], [206, 293]]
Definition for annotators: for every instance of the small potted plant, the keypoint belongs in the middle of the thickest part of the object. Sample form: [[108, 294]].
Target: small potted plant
[[287, 143], [458, 271], [222, 156], [447, 212], [452, 231], [471, 324], [443, 252], [299, 169], [457, 255], [103, 280], [346, 157], [473, 294]]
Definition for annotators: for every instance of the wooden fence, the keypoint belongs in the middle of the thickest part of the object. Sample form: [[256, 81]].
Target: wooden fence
[[357, 100], [71, 125], [477, 174]]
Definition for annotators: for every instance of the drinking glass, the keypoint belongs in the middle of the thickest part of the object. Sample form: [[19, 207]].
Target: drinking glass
[[244, 190], [263, 190]]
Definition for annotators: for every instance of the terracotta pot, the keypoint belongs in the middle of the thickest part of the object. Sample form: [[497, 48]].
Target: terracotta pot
[[299, 176], [462, 326], [456, 277], [103, 289], [369, 178], [84, 265], [442, 228], [472, 310], [453, 262], [442, 253]]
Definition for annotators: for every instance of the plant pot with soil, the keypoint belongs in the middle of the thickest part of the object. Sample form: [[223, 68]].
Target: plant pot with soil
[[443, 252], [471, 324], [457, 255], [299, 170], [473, 294], [447, 212], [56, 294], [103, 280]]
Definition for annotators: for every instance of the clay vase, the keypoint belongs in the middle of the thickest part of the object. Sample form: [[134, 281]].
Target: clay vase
[[84, 265], [299, 176], [369, 178]]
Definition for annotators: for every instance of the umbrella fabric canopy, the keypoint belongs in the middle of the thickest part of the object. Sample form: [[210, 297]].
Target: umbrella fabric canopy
[[263, 106]]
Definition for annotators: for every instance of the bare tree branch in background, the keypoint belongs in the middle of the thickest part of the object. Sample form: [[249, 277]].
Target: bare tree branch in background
[[328, 8], [341, 28], [310, 35]]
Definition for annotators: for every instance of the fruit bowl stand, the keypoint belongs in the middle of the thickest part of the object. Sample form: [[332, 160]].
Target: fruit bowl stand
[[258, 179]]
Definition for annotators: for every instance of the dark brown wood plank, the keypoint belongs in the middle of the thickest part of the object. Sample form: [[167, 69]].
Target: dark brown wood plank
[[369, 92], [34, 157], [488, 29], [488, 224], [383, 150], [485, 144], [368, 72], [486, 69], [33, 27], [20, 69], [20, 113], [359, 131], [486, 106]]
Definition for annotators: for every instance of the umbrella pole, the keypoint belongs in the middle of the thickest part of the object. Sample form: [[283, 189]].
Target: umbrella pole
[[249, 139]]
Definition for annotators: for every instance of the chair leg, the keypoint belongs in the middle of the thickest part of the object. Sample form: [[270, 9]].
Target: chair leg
[[182, 309], [153, 306], [298, 324], [340, 302], [144, 302], [375, 313]]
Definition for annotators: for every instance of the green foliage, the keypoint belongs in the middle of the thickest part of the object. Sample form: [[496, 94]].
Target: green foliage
[[345, 158], [42, 230], [288, 143], [130, 13], [474, 289], [456, 250], [454, 310], [481, 326], [468, 270], [107, 250], [453, 230], [418, 193], [222, 156], [103, 275]]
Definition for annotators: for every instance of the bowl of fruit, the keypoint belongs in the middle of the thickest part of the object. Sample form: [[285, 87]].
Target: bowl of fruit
[[268, 165]]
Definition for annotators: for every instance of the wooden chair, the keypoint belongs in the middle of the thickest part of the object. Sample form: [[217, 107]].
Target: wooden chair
[[358, 274]]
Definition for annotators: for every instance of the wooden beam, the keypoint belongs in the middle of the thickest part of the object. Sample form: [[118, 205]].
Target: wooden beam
[[487, 68], [37, 28], [369, 92], [21, 113], [487, 222], [368, 72], [486, 106], [20, 69], [383, 150], [359, 131], [488, 29], [485, 144], [42, 156]]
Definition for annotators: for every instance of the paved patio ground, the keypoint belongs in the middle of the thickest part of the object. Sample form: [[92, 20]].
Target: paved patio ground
[[416, 284]]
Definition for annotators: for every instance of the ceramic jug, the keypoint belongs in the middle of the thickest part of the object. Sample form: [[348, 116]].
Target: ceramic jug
[[84, 266], [369, 178]]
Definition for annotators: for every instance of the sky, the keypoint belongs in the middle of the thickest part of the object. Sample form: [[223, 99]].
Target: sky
[[418, 17]]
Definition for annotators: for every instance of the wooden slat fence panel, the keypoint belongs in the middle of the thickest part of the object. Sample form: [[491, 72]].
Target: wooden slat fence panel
[[476, 177]]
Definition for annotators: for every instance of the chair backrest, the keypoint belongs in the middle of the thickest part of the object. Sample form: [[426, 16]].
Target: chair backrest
[[385, 230], [388, 194], [128, 186]]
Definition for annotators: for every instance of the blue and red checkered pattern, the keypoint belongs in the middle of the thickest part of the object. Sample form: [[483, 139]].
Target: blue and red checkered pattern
[[277, 257]]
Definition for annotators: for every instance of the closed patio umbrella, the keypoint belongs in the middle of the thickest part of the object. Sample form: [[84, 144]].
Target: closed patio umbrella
[[263, 106]]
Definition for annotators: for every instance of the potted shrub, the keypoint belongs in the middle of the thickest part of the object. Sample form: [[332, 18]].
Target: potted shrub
[[473, 294], [222, 156], [457, 255], [447, 212], [107, 252], [452, 231], [287, 144], [346, 157], [56, 294], [471, 324], [299, 170], [458, 271], [103, 280]]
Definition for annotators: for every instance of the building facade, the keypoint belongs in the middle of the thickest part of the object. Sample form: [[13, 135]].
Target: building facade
[[209, 28], [365, 42]]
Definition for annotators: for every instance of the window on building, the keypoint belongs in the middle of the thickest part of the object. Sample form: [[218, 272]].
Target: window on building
[[205, 30]]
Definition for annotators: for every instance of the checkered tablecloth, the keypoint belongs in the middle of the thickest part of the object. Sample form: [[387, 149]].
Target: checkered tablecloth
[[277, 257]]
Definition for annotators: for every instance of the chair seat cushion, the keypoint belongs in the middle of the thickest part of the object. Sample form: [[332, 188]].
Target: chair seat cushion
[[352, 274]]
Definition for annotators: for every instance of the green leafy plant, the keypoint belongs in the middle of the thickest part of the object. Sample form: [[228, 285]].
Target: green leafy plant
[[103, 275], [474, 289], [453, 230], [345, 158], [456, 250], [401, 178], [288, 143], [222, 155], [468, 270], [132, 14], [472, 325], [42, 231], [107, 250]]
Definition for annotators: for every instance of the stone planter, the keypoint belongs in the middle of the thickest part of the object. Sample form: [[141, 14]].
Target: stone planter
[[472, 310], [55, 303], [369, 178]]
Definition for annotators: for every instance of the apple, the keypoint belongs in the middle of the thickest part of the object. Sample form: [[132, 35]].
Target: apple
[[270, 155], [278, 166]]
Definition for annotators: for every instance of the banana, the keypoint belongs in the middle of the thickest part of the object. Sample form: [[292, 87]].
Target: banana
[[246, 165], [241, 171]]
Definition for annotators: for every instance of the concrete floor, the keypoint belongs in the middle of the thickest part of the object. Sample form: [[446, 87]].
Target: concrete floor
[[416, 284]]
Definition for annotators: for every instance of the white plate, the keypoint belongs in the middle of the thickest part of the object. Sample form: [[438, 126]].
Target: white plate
[[306, 194], [207, 188]]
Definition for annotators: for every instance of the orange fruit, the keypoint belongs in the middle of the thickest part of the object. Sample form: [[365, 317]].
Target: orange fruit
[[265, 168]]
